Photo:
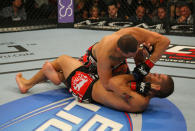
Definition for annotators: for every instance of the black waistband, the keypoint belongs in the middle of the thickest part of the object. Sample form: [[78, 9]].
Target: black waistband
[[90, 52]]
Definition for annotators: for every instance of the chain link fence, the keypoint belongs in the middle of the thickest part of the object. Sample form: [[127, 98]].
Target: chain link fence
[[163, 16], [17, 15]]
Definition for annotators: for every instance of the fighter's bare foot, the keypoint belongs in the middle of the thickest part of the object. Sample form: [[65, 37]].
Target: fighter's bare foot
[[21, 82], [51, 73]]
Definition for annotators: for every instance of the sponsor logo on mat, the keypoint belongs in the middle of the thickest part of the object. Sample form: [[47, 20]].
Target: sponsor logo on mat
[[179, 54], [14, 50], [57, 110]]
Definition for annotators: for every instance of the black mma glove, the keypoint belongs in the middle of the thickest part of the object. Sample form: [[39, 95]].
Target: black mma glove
[[142, 88], [142, 70], [149, 51]]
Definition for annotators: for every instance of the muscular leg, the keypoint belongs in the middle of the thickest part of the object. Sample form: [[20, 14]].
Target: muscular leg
[[68, 63], [65, 64], [51, 74], [24, 85]]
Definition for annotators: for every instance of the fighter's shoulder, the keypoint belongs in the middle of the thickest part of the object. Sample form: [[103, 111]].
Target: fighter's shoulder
[[130, 29], [111, 37], [106, 37]]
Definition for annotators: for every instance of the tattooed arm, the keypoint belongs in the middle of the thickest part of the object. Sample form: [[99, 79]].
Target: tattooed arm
[[136, 102], [121, 86], [122, 98]]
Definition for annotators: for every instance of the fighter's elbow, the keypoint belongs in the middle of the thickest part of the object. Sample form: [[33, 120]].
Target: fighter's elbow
[[110, 84], [166, 41], [136, 109]]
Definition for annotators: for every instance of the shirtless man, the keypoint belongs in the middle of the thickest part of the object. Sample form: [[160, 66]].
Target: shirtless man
[[127, 96], [110, 53]]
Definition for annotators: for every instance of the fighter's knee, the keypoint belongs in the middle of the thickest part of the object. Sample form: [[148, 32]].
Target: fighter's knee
[[57, 82], [62, 58]]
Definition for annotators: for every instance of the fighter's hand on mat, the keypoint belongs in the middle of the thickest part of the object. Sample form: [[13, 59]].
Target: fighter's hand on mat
[[142, 70], [142, 88]]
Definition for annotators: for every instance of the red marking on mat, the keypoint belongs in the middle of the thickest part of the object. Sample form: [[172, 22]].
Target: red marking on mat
[[129, 119]]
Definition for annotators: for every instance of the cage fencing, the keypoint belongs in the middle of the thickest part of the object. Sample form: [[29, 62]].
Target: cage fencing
[[162, 16]]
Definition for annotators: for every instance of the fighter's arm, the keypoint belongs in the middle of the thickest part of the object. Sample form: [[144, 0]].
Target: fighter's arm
[[122, 83], [123, 99], [119, 83], [137, 102], [135, 98], [104, 71], [158, 41], [159, 44], [103, 63]]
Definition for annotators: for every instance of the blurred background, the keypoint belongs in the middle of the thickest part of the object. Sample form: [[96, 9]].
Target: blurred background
[[162, 16]]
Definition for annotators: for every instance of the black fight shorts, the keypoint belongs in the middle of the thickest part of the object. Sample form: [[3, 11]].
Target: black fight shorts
[[89, 61], [80, 83]]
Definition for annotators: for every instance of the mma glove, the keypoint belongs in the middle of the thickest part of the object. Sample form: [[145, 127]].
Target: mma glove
[[142, 70], [142, 88], [148, 50]]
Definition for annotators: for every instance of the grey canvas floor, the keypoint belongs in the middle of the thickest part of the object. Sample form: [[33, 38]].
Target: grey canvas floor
[[48, 44]]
